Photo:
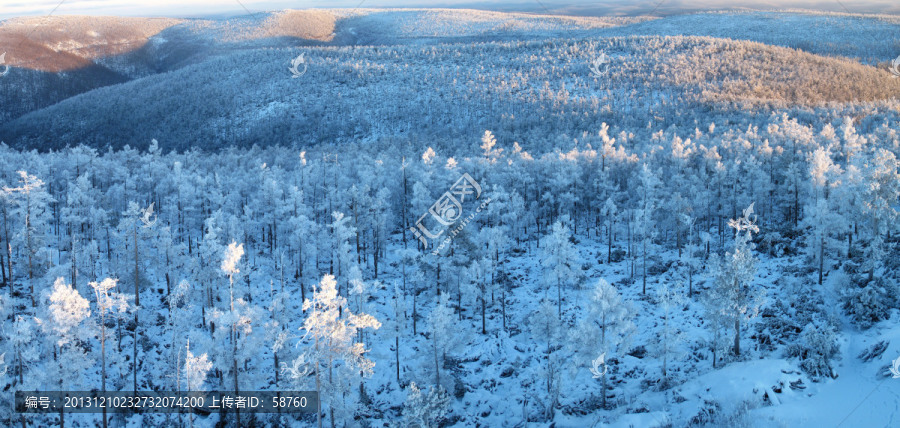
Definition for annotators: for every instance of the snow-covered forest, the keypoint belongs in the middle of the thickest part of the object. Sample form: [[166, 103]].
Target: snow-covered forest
[[666, 247]]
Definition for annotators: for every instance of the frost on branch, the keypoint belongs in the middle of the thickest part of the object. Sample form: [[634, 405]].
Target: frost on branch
[[233, 255], [337, 359], [425, 410], [195, 369]]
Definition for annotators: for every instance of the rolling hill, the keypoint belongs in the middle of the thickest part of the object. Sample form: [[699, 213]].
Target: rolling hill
[[447, 72]]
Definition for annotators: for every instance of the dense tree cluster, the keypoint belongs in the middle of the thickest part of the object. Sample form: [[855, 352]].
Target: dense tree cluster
[[275, 267]]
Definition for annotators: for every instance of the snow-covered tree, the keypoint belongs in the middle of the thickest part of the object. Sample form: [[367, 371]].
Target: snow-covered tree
[[609, 211], [398, 323], [106, 302], [443, 335], [732, 294], [66, 314], [879, 200], [644, 221], [239, 317], [547, 329], [559, 260], [195, 369], [32, 205], [816, 348], [134, 226], [689, 259], [336, 358], [669, 335], [606, 328], [425, 410]]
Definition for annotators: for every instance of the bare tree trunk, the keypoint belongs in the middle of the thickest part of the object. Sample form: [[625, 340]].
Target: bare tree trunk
[[30, 245], [609, 242], [483, 330], [437, 367], [103, 361], [603, 391], [559, 296], [137, 304], [234, 348], [715, 341], [821, 257], [318, 391], [644, 267]]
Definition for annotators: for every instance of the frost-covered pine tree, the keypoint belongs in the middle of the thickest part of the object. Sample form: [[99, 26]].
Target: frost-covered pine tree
[[559, 260], [670, 336], [210, 252], [816, 347], [233, 255], [609, 211], [238, 342], [302, 236], [343, 259], [398, 323], [195, 369], [488, 141], [82, 215], [606, 328], [819, 214], [822, 221], [64, 321], [732, 294], [134, 226], [425, 410], [644, 223], [336, 358], [178, 321], [106, 301], [547, 329], [31, 203], [879, 199], [480, 284], [689, 258], [443, 333]]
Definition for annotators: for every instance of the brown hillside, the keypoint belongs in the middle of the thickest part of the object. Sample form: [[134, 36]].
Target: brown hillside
[[60, 43]]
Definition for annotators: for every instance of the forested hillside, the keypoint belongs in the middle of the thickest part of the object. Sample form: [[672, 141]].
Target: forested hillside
[[529, 91], [649, 224], [60, 57]]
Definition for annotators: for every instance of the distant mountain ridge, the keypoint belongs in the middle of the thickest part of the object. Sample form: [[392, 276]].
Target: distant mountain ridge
[[220, 82], [54, 58]]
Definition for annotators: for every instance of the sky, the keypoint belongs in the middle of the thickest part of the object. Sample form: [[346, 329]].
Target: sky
[[206, 8]]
